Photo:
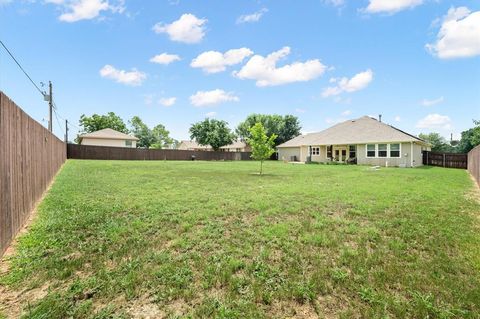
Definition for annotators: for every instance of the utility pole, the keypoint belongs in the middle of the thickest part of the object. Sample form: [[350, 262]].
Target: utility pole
[[50, 107], [66, 131]]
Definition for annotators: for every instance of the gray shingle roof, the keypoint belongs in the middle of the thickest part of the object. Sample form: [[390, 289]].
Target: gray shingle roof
[[108, 133], [358, 131]]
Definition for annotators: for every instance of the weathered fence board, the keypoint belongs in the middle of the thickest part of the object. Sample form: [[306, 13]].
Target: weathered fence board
[[453, 160], [30, 156], [75, 151], [474, 163]]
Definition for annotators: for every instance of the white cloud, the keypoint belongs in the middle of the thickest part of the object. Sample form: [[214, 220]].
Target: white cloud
[[426, 102], [459, 35], [167, 101], [300, 110], [211, 114], [133, 77], [165, 58], [346, 113], [357, 82], [188, 29], [84, 9], [265, 72], [254, 17], [391, 6], [206, 98], [214, 61], [397, 118], [435, 121]]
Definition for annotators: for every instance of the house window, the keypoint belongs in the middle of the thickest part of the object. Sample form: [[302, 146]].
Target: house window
[[315, 150], [394, 150], [382, 150], [329, 151], [128, 143], [352, 151], [370, 150]]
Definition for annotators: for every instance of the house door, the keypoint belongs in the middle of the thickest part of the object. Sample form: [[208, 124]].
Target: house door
[[340, 153]]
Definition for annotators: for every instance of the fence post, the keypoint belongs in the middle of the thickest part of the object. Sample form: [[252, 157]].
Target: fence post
[[443, 159]]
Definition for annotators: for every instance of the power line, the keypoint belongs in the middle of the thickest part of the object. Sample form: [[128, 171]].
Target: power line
[[58, 122], [21, 68]]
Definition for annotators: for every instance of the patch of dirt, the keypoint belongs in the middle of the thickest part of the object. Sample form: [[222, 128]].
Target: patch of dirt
[[292, 310], [474, 193], [11, 302]]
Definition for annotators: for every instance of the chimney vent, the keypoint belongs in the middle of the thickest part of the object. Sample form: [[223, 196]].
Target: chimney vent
[[380, 118]]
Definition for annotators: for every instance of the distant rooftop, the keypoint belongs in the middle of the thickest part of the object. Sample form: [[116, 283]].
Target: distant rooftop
[[108, 133]]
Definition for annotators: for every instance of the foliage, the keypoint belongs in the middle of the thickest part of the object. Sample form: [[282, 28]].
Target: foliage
[[142, 132], [117, 236], [262, 145], [284, 127], [162, 138], [215, 133], [89, 124], [158, 137], [470, 138], [437, 142]]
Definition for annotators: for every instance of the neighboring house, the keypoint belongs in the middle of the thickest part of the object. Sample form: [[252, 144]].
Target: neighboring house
[[108, 137], [237, 146], [363, 141]]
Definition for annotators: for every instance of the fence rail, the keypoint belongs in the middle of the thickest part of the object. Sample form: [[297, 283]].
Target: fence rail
[[474, 163], [453, 160], [75, 151], [30, 156]]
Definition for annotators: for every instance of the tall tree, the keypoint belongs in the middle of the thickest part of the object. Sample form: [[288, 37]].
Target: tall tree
[[262, 145], [162, 137], [470, 138], [142, 132], [438, 142], [284, 127], [212, 132], [97, 122]]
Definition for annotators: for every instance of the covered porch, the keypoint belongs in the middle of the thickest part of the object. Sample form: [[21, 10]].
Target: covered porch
[[346, 153]]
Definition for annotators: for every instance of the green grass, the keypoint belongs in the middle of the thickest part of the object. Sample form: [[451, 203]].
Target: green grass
[[114, 239]]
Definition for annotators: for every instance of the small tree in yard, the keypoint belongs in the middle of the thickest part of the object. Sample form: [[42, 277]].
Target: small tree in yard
[[261, 144]]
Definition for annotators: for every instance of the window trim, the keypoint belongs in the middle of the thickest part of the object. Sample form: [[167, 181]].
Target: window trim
[[313, 153], [366, 151], [388, 150], [399, 151]]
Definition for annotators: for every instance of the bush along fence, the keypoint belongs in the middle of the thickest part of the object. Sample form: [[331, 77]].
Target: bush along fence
[[452, 160], [30, 156], [75, 151], [474, 163]]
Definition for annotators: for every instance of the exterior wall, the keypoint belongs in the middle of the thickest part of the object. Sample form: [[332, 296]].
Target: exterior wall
[[106, 142], [285, 153], [405, 159]]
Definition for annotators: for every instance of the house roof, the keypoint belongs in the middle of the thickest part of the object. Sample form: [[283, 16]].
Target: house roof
[[358, 131], [108, 133], [193, 144]]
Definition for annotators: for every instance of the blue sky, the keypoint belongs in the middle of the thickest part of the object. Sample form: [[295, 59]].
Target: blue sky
[[416, 62]]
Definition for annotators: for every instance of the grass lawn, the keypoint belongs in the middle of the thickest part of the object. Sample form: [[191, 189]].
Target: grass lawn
[[120, 239]]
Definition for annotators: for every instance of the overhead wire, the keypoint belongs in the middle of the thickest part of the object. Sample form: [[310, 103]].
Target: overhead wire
[[21, 68]]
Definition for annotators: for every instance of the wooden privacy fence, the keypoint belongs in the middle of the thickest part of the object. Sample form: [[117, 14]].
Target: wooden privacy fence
[[453, 160], [30, 156], [75, 151], [474, 163]]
